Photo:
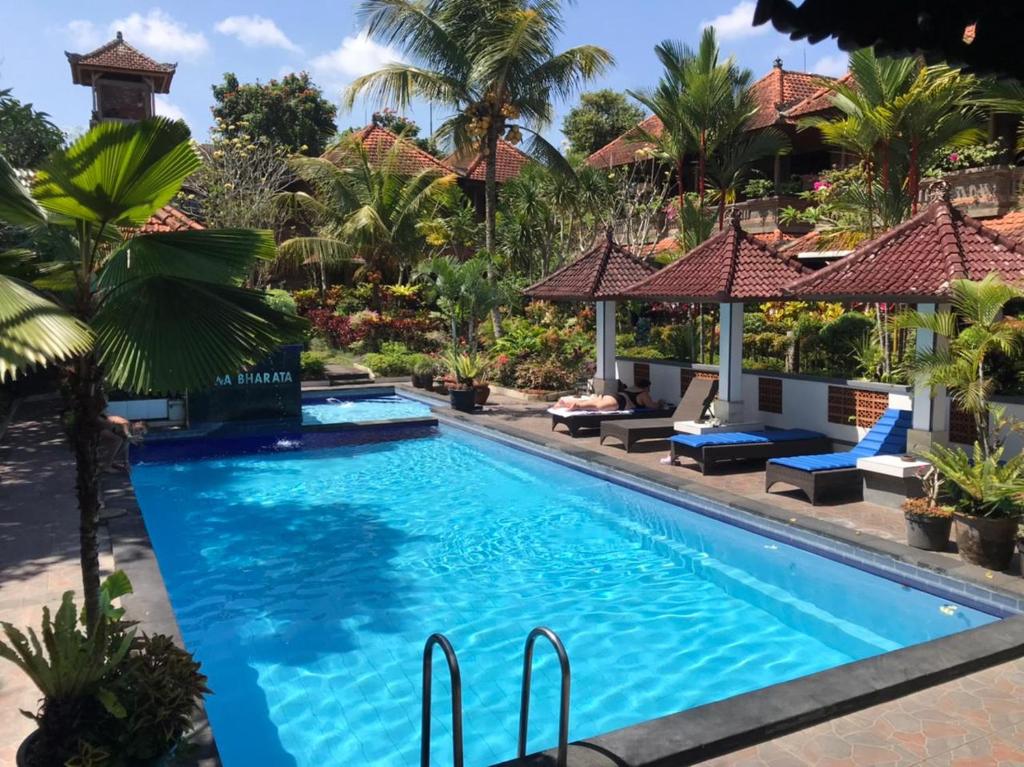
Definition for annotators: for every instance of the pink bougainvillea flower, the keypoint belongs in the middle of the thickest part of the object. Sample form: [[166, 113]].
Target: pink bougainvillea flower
[[953, 156]]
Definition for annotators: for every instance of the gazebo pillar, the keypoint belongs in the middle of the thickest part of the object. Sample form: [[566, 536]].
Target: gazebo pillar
[[930, 405], [605, 378], [729, 405]]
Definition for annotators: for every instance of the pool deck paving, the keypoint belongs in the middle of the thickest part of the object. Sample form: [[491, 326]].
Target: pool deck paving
[[975, 720]]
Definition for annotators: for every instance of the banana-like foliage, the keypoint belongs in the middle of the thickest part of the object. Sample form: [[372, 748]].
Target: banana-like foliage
[[62, 660], [163, 312]]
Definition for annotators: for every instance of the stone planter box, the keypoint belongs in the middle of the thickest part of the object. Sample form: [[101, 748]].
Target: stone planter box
[[981, 192], [531, 395]]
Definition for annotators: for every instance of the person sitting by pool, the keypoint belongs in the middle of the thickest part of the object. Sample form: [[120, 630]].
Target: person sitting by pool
[[625, 399]]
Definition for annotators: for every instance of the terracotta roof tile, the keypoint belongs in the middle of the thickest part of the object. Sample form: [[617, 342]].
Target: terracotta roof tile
[[511, 161], [662, 246], [1009, 224], [378, 142], [818, 101], [604, 271], [117, 55], [917, 260], [779, 89], [168, 219], [731, 266], [623, 150]]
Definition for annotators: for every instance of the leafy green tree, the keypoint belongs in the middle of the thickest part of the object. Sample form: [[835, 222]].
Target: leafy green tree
[[27, 135], [291, 112], [976, 330], [599, 118], [149, 313], [363, 210], [463, 293], [493, 63]]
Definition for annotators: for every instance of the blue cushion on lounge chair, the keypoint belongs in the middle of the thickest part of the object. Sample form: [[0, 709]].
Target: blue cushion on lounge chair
[[887, 437], [744, 437]]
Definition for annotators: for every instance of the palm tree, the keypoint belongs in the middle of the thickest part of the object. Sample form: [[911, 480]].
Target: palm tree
[[704, 104], [492, 62], [363, 209], [463, 293], [148, 313], [976, 329]]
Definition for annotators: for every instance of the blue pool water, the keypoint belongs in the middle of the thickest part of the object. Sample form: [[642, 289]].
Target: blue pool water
[[307, 581], [355, 409]]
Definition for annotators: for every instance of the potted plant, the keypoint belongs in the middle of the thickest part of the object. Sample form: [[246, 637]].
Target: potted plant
[[464, 368], [985, 490], [988, 499], [109, 694], [928, 523], [423, 372]]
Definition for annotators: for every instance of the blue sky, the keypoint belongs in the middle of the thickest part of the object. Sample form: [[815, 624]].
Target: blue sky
[[259, 39]]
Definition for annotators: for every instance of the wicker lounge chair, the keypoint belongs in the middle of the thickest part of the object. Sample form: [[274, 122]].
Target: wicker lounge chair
[[587, 420], [836, 474], [691, 407], [711, 450]]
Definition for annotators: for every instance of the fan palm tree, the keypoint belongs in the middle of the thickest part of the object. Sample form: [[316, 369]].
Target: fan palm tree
[[975, 329], [493, 62], [147, 313], [363, 209]]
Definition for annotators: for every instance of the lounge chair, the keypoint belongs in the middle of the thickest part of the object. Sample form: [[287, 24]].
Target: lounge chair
[[691, 407], [836, 474], [578, 420], [710, 450]]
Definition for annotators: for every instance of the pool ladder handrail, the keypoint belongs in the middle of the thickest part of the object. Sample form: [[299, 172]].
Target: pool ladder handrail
[[524, 705], [456, 683]]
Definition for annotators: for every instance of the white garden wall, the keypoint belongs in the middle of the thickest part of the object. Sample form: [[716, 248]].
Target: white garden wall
[[804, 398]]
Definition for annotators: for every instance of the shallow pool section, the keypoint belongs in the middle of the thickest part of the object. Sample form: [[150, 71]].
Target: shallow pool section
[[307, 582], [377, 407]]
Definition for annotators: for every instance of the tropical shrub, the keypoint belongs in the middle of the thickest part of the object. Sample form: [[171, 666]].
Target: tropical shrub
[[982, 484], [546, 374], [313, 366], [337, 330], [282, 301], [951, 159], [393, 359]]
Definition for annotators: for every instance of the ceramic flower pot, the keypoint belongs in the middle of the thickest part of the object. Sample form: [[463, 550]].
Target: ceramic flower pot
[[483, 391], [928, 532], [463, 400], [984, 541]]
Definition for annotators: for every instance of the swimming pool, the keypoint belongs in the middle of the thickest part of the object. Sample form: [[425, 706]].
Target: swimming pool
[[306, 583], [374, 407]]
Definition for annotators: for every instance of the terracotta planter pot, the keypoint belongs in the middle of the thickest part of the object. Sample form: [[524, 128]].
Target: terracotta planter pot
[[483, 391], [986, 542], [930, 533]]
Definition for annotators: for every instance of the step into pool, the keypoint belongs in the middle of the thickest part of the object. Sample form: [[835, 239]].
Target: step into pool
[[358, 409], [307, 581]]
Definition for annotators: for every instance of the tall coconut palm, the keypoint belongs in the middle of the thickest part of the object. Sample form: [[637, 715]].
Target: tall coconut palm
[[493, 62], [147, 313], [976, 329], [365, 209]]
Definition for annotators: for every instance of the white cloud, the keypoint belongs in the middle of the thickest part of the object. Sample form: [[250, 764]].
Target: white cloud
[[256, 32], [737, 23], [833, 65], [159, 34], [357, 55], [84, 35], [167, 108]]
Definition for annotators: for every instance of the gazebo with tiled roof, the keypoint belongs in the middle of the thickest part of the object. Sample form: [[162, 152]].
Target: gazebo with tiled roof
[[916, 263], [730, 268], [599, 275]]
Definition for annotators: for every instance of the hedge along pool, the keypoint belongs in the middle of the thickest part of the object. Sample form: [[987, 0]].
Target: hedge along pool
[[307, 580]]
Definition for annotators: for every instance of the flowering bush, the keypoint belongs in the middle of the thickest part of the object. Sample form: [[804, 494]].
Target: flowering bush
[[948, 160], [546, 374], [335, 329]]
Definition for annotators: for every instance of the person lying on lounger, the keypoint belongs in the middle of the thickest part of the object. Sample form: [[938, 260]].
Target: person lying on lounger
[[625, 399]]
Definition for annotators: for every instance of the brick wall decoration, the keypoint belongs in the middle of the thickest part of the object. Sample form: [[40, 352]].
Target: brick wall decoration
[[685, 376], [641, 370], [855, 407], [961, 426], [769, 395]]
